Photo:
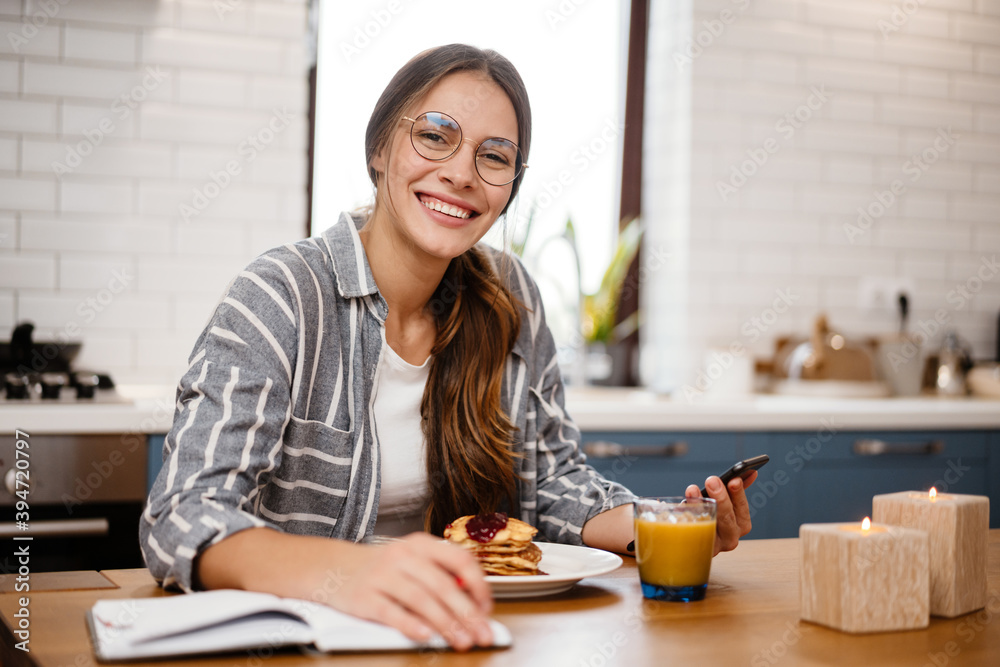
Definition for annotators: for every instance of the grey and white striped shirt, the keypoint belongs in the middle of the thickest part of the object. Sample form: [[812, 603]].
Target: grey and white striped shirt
[[274, 423]]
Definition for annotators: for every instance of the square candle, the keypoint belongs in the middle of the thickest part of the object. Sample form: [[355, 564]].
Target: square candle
[[864, 579], [958, 528]]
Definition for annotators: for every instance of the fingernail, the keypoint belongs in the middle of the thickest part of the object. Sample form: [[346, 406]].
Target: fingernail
[[485, 634], [714, 484]]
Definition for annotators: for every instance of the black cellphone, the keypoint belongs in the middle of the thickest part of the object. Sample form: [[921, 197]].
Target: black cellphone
[[741, 469]]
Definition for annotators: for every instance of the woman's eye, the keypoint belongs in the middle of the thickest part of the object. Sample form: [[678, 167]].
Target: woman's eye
[[432, 137], [497, 159]]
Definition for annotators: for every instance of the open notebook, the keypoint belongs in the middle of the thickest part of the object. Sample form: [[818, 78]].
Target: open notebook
[[230, 620]]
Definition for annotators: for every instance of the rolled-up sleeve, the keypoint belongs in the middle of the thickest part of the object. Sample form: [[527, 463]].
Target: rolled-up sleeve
[[232, 407]]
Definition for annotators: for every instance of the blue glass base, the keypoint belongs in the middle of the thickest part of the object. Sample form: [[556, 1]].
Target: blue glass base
[[674, 593]]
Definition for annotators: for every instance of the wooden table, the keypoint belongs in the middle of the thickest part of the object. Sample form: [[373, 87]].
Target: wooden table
[[750, 617]]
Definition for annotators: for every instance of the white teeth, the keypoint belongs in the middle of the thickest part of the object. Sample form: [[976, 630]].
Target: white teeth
[[447, 209]]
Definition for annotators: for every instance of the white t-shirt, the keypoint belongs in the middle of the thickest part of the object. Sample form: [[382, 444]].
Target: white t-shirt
[[404, 492]]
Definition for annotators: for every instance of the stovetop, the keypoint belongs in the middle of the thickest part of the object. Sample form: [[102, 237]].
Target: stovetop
[[72, 388]]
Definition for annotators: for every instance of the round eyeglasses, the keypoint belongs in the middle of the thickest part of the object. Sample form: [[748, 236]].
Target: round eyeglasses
[[437, 136]]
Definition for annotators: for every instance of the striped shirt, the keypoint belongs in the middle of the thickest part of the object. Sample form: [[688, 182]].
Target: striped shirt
[[274, 422]]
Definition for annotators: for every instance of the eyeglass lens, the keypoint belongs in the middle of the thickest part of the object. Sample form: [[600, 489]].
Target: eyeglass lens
[[437, 136]]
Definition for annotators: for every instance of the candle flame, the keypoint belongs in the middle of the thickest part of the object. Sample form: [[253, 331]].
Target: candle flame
[[866, 524], [933, 493]]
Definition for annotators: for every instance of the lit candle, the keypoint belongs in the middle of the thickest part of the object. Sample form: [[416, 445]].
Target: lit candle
[[864, 577], [958, 529]]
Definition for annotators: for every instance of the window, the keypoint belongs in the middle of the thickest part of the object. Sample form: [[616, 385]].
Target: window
[[570, 55]]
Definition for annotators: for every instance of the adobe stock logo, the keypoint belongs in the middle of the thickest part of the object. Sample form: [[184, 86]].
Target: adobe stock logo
[[882, 201], [248, 150], [364, 34], [786, 126], [121, 108]]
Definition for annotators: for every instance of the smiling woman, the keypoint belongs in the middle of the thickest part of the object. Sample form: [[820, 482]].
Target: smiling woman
[[387, 377]]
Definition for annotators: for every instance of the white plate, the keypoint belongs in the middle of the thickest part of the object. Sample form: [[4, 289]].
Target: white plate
[[563, 564]]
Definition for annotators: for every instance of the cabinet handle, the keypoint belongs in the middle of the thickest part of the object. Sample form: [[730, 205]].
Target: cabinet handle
[[606, 449], [58, 528], [873, 447]]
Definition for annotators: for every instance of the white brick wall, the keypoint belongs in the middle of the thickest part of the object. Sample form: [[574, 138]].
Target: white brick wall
[[143, 101], [888, 96]]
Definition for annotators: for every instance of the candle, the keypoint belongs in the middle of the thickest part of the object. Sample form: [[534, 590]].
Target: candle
[[958, 529], [864, 577]]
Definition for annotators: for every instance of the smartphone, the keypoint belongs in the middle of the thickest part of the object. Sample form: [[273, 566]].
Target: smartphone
[[741, 469]]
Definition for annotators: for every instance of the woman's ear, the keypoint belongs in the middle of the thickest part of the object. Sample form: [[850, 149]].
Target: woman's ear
[[378, 163]]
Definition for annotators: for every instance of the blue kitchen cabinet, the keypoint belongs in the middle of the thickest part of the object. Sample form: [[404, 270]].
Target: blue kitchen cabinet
[[832, 478], [813, 477], [661, 464]]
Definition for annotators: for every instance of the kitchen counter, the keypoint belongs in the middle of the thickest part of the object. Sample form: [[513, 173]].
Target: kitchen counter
[[147, 409], [150, 410], [633, 409]]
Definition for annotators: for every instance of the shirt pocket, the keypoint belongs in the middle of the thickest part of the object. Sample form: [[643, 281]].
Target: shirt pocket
[[307, 492]]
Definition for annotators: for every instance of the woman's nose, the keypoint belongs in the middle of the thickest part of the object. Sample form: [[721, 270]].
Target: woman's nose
[[460, 168]]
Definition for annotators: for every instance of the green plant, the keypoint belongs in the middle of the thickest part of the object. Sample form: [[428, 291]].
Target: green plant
[[601, 307], [519, 240]]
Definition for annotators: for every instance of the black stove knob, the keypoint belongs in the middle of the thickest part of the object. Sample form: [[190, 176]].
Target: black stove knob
[[52, 383], [15, 387], [85, 384]]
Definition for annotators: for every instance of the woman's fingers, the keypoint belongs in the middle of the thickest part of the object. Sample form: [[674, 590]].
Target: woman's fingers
[[387, 611], [741, 506], [449, 605], [465, 572], [439, 585], [428, 605], [727, 527]]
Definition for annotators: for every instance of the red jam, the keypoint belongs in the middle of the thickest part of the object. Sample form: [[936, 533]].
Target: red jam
[[483, 527]]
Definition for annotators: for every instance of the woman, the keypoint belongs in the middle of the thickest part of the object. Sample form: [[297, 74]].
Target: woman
[[388, 376]]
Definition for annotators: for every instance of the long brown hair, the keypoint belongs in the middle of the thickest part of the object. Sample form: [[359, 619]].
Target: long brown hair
[[470, 460]]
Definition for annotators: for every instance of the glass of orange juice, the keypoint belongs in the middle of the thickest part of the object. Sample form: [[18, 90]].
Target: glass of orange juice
[[674, 543]]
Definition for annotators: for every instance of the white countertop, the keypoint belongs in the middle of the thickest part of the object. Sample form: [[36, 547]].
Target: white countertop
[[150, 410], [624, 409]]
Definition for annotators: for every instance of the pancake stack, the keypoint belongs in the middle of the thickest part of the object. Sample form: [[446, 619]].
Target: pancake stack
[[502, 545]]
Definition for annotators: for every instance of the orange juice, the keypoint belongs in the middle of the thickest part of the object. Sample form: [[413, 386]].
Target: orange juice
[[674, 554]]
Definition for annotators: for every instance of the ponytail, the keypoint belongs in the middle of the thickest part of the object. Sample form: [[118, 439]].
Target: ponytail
[[470, 460]]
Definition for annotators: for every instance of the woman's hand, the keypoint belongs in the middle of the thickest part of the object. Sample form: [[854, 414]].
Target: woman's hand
[[732, 519], [419, 585]]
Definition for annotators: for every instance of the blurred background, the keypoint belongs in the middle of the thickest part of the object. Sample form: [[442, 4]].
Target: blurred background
[[815, 186], [798, 158]]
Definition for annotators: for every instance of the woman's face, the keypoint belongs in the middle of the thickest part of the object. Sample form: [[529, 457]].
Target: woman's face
[[414, 184]]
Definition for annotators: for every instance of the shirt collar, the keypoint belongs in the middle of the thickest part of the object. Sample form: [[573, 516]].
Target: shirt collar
[[350, 263]]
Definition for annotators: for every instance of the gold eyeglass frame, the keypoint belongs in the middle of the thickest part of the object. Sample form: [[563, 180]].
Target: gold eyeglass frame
[[413, 122]]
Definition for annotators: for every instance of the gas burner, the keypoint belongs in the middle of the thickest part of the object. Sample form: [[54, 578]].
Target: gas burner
[[16, 387], [51, 384], [39, 373], [76, 388]]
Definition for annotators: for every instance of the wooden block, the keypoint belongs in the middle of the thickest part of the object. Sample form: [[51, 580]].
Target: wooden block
[[958, 529], [864, 581]]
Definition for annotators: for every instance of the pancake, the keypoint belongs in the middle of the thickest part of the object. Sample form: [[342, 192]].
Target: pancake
[[514, 532], [502, 545]]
